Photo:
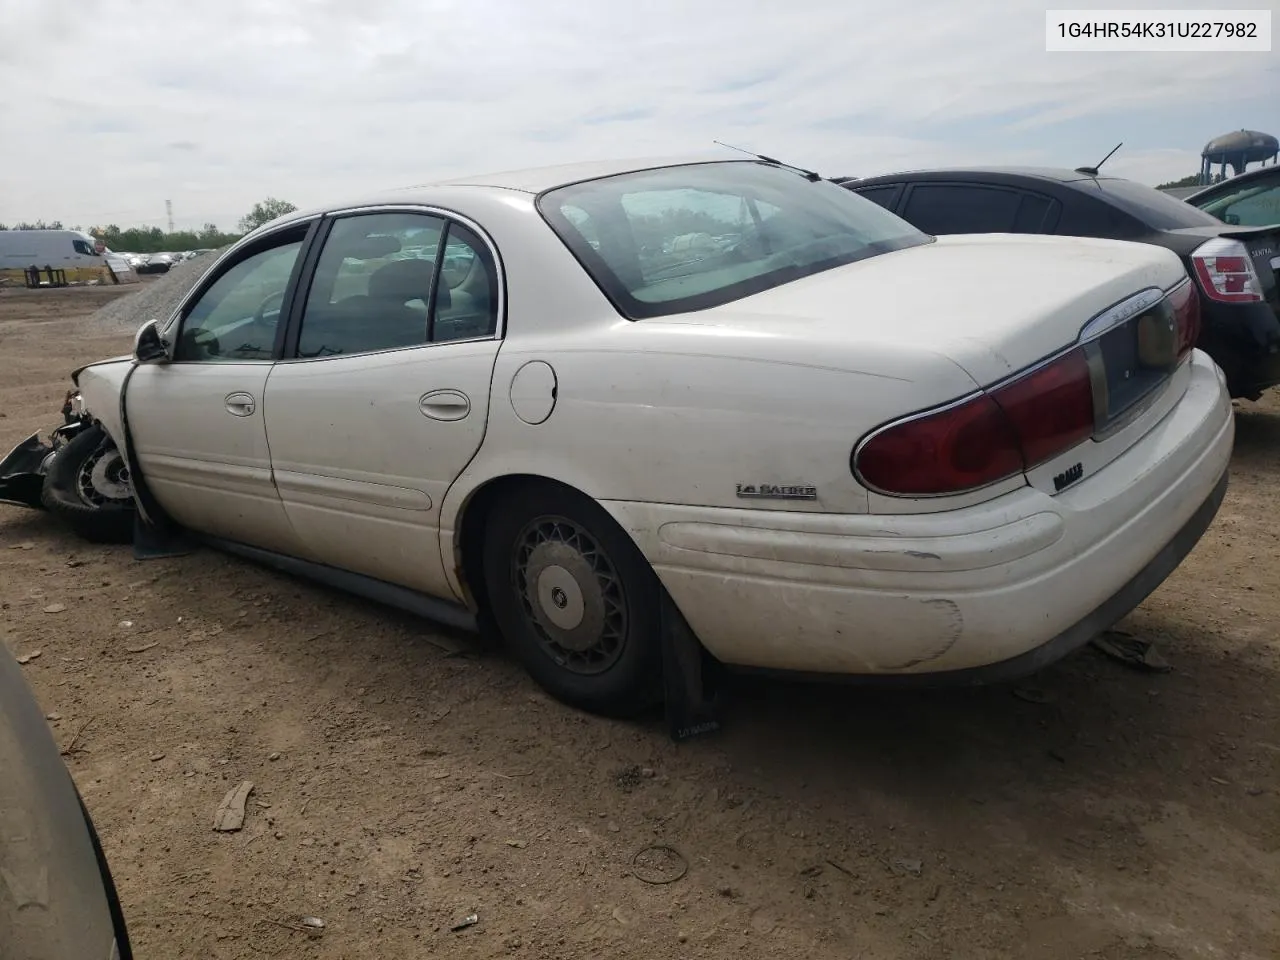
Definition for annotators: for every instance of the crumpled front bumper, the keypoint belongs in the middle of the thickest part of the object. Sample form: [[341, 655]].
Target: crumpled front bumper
[[23, 468], [22, 472]]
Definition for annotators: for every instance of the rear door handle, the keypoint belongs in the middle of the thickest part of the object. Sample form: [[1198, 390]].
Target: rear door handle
[[445, 405], [240, 404]]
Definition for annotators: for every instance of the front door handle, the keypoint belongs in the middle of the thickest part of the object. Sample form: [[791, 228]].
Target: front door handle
[[240, 404], [445, 405]]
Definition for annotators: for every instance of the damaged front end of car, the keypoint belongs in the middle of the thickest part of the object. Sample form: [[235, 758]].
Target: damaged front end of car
[[23, 469]]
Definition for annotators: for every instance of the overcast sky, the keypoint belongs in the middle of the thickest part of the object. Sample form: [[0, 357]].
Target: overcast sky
[[113, 106]]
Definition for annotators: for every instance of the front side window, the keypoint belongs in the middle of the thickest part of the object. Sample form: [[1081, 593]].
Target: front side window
[[1255, 204], [82, 248], [236, 318], [666, 241]]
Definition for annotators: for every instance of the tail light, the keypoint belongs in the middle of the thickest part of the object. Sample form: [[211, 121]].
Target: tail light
[[1225, 271], [1186, 311], [989, 437], [1013, 426]]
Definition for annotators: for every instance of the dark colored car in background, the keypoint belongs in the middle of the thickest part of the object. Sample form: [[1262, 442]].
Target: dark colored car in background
[[1249, 199], [57, 898], [1236, 269]]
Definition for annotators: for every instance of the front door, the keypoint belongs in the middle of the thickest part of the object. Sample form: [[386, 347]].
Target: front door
[[383, 395], [197, 423]]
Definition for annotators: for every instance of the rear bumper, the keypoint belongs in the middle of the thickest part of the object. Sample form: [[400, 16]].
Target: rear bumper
[[1243, 339], [1017, 581]]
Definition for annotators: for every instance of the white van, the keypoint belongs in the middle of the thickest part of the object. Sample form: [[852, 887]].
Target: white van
[[75, 257]]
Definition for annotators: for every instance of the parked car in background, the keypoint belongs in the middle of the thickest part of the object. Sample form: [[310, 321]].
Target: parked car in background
[[1251, 199], [57, 897], [832, 443], [1234, 267]]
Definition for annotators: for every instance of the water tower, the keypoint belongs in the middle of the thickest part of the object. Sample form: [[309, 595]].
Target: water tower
[[1237, 149]]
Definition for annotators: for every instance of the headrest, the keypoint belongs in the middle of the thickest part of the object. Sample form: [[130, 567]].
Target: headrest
[[405, 280]]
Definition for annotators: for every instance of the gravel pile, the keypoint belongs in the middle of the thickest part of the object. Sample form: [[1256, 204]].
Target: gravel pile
[[156, 299]]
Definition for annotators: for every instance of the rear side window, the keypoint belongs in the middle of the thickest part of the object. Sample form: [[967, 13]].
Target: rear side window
[[884, 196], [1032, 213], [1157, 210]]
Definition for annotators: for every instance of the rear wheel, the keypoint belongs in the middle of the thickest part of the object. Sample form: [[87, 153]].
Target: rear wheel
[[575, 600], [87, 486]]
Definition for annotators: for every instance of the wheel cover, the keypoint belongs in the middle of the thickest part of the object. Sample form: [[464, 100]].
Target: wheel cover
[[103, 478], [571, 594]]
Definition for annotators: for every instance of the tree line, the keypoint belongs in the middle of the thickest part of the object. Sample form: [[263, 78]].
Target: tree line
[[155, 240], [1191, 180]]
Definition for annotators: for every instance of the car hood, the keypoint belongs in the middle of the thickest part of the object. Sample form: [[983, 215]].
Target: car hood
[[991, 303]]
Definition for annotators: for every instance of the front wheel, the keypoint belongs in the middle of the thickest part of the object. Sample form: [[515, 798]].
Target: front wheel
[[87, 487], [575, 600]]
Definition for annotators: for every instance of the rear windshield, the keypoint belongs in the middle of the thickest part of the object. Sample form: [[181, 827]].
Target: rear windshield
[[1157, 210], [676, 239]]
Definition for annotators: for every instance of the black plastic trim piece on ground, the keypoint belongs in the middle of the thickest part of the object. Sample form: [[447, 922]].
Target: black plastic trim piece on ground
[[20, 477], [1106, 616], [691, 694]]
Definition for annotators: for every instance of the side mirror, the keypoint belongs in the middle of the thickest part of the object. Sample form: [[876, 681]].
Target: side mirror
[[147, 345]]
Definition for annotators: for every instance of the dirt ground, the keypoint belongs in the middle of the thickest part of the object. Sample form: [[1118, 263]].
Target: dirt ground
[[402, 783]]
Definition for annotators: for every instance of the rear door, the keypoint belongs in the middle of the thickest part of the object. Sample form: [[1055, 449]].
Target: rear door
[[383, 396]]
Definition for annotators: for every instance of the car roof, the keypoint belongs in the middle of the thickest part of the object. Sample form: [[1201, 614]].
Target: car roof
[[539, 179], [531, 180], [1057, 174]]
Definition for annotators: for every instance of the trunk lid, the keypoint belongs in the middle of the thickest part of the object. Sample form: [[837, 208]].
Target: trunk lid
[[997, 305], [994, 304]]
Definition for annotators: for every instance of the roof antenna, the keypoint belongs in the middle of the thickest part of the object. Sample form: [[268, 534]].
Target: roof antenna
[[808, 174], [1093, 171]]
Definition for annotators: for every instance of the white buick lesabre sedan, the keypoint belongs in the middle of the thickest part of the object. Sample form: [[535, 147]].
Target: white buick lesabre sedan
[[561, 397]]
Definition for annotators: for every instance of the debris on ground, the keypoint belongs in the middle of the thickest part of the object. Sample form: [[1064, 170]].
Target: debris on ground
[[142, 648], [659, 864], [55, 608], [26, 658], [908, 865], [72, 744], [470, 920], [230, 814], [1132, 651], [314, 925]]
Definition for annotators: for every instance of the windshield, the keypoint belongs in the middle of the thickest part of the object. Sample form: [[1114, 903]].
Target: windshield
[[1157, 210], [676, 239]]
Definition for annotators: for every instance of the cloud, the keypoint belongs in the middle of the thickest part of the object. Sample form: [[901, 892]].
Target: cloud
[[217, 105]]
